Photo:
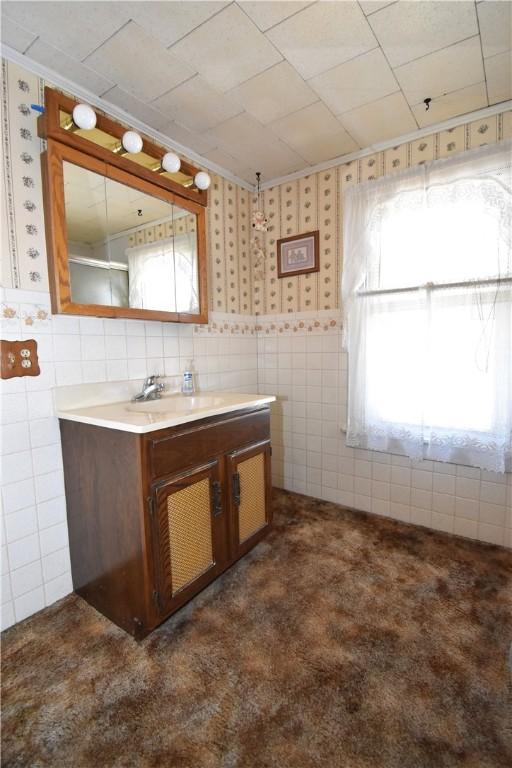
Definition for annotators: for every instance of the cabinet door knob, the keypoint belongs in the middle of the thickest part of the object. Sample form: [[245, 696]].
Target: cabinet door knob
[[217, 498]]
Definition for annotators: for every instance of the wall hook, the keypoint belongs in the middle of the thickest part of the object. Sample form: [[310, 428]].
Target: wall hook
[[427, 103]]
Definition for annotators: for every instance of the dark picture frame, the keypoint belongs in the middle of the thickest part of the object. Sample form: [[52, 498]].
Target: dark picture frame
[[298, 259]]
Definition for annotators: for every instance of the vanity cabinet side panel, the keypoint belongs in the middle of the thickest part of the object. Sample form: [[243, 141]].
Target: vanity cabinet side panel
[[105, 508]]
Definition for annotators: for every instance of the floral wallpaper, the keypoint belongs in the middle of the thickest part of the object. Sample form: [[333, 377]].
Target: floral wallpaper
[[23, 242], [230, 278], [316, 202]]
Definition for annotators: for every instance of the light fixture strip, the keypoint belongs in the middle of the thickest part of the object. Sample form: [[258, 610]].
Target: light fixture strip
[[84, 117]]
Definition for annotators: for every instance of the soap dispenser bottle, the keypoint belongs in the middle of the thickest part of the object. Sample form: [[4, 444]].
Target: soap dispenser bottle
[[187, 385]]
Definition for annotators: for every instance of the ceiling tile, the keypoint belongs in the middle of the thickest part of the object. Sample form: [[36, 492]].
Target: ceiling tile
[[227, 49], [322, 36], [495, 20], [354, 83], [244, 137], [452, 105], [137, 108], [198, 143], [197, 105], [408, 30], [370, 6], [239, 168], [318, 151], [274, 94], [441, 72], [314, 133], [498, 71], [379, 121], [276, 160], [15, 36], [76, 28], [240, 131], [139, 63], [266, 15], [75, 71], [170, 21], [239, 135], [313, 122]]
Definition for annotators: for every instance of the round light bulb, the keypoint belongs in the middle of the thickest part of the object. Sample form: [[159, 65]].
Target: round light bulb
[[84, 117], [171, 162], [132, 142], [202, 180]]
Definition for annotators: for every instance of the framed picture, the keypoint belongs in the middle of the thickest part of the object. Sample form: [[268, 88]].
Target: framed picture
[[298, 255]]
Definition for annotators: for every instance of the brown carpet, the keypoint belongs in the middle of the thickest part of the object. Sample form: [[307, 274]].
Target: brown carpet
[[343, 640]]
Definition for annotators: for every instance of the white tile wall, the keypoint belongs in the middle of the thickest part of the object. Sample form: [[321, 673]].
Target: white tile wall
[[308, 372], [35, 553]]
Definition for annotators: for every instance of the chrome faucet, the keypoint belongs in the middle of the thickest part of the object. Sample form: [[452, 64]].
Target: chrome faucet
[[151, 389]]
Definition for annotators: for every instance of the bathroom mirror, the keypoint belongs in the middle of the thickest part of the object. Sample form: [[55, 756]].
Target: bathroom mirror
[[120, 246]]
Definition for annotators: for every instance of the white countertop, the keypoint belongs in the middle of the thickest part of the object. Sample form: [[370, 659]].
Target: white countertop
[[142, 417]]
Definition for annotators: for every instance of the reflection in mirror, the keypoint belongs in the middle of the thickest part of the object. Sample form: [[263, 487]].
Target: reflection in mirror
[[126, 248], [167, 254]]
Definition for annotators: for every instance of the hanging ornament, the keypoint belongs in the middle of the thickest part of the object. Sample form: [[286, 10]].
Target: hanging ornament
[[259, 224], [259, 220]]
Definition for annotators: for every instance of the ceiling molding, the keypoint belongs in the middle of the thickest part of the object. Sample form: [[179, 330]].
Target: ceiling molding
[[53, 78], [453, 122]]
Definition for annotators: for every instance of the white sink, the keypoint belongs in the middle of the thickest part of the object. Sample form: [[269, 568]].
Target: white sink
[[100, 405], [176, 404]]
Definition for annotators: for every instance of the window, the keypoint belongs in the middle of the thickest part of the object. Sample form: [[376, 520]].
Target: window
[[427, 298]]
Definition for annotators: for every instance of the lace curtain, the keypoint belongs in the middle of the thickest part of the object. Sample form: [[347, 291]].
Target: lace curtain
[[187, 278], [427, 301], [163, 275]]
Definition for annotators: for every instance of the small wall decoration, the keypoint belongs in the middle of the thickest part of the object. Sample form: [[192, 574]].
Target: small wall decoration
[[259, 221], [298, 254]]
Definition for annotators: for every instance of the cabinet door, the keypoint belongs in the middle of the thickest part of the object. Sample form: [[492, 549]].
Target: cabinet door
[[249, 496], [190, 535]]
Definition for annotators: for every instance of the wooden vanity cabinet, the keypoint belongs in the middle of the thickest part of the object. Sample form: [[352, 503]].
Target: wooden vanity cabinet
[[154, 518]]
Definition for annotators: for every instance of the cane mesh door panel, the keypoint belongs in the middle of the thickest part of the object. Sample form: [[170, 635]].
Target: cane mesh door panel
[[251, 510], [190, 533]]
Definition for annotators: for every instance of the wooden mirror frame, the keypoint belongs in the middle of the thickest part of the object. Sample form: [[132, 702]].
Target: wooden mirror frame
[[97, 159]]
